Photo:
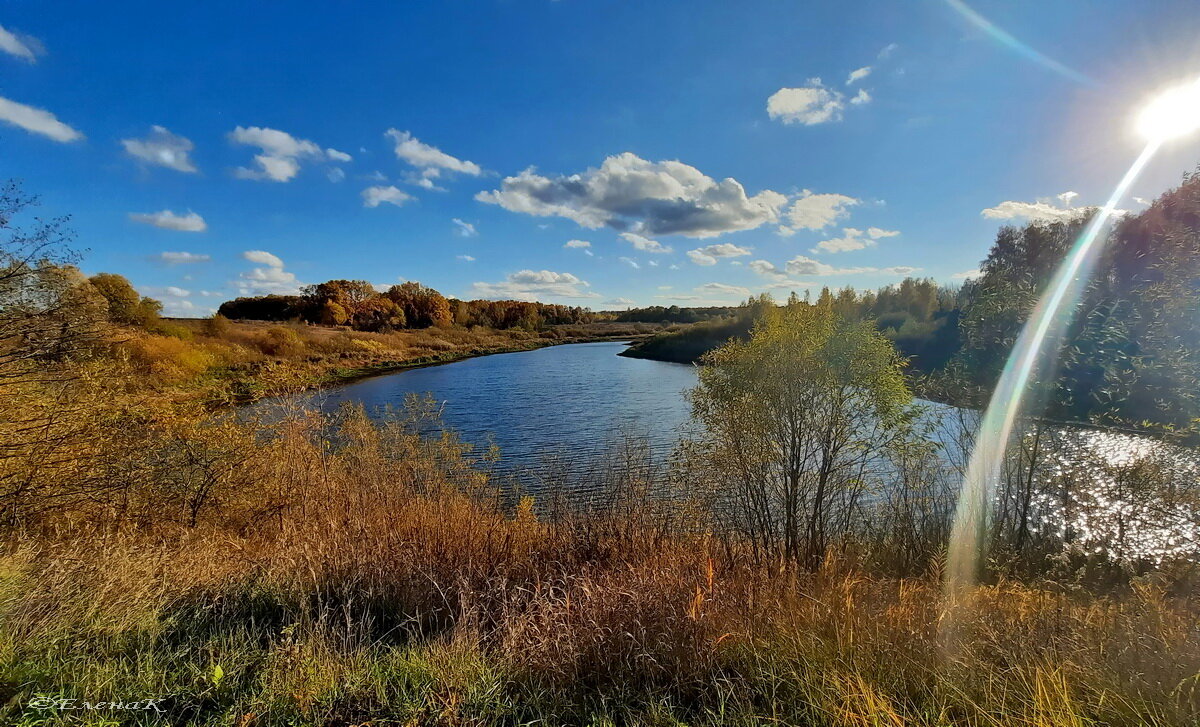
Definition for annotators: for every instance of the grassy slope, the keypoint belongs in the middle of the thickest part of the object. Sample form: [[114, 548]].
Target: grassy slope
[[245, 360]]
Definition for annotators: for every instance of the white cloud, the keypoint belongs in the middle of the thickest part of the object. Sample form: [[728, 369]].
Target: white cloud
[[168, 220], [37, 121], [708, 255], [335, 175], [162, 148], [630, 262], [888, 50], [338, 156], [271, 278], [631, 194], [876, 233], [1067, 197], [808, 105], [801, 265], [816, 211], [722, 289], [428, 159], [854, 239], [858, 74], [181, 258], [1035, 211], [645, 244], [534, 285], [25, 47], [861, 97], [625, 302], [464, 229], [966, 275], [281, 154], [1142, 201], [262, 257], [375, 196], [577, 243], [465, 258]]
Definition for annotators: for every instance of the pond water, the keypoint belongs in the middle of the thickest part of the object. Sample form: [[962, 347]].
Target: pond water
[[556, 410], [577, 400]]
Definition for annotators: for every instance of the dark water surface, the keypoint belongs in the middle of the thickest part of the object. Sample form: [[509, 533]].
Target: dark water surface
[[575, 399]]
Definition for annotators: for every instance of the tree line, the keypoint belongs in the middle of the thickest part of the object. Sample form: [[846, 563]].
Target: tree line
[[358, 305]]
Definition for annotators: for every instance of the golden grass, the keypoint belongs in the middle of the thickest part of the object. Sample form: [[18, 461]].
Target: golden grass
[[371, 576]]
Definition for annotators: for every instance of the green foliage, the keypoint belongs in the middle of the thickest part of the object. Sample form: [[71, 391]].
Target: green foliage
[[791, 417], [1131, 354]]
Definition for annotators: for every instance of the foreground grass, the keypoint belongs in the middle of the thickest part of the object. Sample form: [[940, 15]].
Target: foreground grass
[[372, 578], [653, 640]]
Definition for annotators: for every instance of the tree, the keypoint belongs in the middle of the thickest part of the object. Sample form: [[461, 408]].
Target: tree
[[423, 307], [125, 305], [792, 419]]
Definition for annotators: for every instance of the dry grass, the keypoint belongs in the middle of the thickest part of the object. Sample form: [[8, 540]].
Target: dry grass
[[234, 361], [371, 576]]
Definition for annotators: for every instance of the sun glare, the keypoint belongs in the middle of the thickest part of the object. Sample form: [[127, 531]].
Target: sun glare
[[1173, 113]]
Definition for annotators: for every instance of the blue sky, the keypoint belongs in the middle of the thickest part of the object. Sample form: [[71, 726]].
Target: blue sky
[[467, 144]]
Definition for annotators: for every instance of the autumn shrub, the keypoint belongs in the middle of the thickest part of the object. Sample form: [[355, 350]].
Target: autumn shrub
[[167, 358]]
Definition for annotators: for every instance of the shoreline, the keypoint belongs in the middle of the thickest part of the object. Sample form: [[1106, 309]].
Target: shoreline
[[336, 376]]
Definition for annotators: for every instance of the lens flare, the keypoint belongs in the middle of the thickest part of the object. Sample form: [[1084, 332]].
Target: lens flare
[[1034, 354], [1006, 39], [1173, 113]]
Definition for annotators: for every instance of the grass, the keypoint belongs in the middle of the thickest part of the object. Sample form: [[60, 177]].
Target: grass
[[372, 576], [223, 362]]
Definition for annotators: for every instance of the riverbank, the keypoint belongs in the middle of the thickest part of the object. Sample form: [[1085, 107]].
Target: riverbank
[[217, 364]]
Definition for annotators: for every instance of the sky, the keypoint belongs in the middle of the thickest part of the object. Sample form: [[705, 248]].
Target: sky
[[587, 152]]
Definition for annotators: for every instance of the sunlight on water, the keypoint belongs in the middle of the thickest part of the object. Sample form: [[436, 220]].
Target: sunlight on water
[[1034, 355]]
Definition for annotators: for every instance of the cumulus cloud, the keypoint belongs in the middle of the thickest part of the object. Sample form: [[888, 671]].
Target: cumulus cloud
[[429, 161], [888, 49], [281, 154], [854, 239], [857, 75], [168, 220], [816, 211], [966, 275], [162, 148], [534, 285], [37, 121], [1042, 210], [181, 258], [464, 229], [465, 258], [24, 47], [625, 302], [645, 244], [577, 243], [809, 105], [708, 255], [375, 196], [269, 278], [628, 193], [861, 97]]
